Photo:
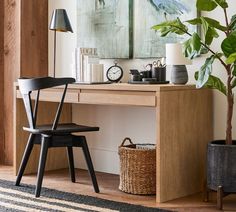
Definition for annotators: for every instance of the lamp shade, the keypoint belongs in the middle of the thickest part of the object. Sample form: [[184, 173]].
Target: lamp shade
[[174, 55], [60, 21]]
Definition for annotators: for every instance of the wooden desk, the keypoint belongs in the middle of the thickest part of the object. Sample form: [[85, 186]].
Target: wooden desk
[[184, 127]]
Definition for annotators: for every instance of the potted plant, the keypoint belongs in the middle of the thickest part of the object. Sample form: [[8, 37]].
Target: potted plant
[[221, 154]]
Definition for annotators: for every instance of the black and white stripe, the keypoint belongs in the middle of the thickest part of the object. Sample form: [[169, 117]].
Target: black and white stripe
[[22, 198]]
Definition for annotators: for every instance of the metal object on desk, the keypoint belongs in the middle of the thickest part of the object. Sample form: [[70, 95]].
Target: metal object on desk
[[146, 74], [159, 73], [135, 75], [149, 79], [159, 69], [159, 63], [155, 74]]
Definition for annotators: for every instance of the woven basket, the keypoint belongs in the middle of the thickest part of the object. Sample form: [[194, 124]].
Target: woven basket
[[137, 168]]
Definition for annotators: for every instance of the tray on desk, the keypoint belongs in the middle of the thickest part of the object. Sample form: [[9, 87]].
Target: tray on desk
[[148, 82], [92, 83]]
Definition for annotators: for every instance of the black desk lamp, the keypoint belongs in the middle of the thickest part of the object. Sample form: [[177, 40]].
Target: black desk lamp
[[59, 22]]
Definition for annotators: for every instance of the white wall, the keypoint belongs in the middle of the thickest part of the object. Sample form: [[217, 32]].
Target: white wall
[[118, 122]]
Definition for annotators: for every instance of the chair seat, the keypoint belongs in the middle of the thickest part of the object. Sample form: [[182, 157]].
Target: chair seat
[[61, 129]]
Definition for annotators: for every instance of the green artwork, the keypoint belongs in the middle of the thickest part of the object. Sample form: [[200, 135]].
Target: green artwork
[[104, 24], [148, 43], [122, 28]]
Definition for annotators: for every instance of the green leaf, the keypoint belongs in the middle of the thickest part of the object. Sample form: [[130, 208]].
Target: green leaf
[[234, 70], [231, 59], [175, 26], [210, 35], [216, 24], [204, 50], [206, 5], [209, 31], [232, 25], [209, 5], [212, 22], [228, 45], [205, 72], [194, 21], [165, 31], [205, 26], [222, 3], [214, 82], [234, 83], [192, 47]]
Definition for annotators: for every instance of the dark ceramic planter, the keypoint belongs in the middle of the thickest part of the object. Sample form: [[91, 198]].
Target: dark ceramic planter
[[221, 166]]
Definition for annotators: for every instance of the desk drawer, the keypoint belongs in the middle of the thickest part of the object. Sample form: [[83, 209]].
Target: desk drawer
[[118, 98], [55, 96], [51, 95]]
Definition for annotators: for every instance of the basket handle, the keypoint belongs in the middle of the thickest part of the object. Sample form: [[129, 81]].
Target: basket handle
[[126, 139]]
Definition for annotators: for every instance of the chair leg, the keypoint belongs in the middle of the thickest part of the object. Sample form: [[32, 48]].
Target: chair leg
[[25, 158], [71, 163], [90, 165], [41, 166]]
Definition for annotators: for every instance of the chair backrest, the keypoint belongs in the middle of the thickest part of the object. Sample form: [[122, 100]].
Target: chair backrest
[[27, 85]]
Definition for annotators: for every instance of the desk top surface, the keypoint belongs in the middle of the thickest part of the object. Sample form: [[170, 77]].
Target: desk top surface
[[128, 87], [135, 87]]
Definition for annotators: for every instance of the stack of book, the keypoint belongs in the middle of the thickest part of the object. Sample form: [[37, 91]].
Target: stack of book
[[86, 65]]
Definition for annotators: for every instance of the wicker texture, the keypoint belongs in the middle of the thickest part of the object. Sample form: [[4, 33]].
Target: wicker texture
[[137, 169]]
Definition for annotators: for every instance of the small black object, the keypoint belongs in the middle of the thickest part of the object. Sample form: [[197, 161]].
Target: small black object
[[146, 74], [134, 72], [135, 77], [52, 135], [114, 73], [149, 79], [149, 67], [159, 73]]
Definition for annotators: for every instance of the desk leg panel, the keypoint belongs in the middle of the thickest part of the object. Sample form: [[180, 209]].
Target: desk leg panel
[[57, 157], [185, 126]]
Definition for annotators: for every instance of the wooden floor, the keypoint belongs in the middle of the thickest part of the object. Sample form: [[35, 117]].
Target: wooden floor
[[109, 190]]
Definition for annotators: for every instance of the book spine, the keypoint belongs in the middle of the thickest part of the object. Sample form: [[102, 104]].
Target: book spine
[[84, 57]]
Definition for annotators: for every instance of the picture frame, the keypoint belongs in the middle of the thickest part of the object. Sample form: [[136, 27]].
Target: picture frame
[[121, 29], [147, 42], [105, 25]]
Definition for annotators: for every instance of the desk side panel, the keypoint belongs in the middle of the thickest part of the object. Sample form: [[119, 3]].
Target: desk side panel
[[57, 157], [185, 127]]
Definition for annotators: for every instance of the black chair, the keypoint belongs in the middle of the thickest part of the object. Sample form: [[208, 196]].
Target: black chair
[[54, 135]]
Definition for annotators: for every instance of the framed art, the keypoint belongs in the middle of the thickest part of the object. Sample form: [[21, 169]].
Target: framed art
[[147, 13], [122, 28], [105, 25]]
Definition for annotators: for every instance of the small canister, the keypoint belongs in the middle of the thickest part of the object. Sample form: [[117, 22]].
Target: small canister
[[159, 73]]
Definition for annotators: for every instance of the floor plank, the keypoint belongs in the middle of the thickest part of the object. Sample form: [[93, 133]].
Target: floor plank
[[108, 184]]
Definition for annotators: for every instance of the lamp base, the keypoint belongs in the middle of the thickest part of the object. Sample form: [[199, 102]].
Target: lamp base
[[179, 74]]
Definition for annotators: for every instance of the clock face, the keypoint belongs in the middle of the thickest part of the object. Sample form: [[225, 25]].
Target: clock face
[[114, 73]]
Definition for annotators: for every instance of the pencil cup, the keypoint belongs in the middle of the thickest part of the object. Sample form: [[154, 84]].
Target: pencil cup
[[159, 73]]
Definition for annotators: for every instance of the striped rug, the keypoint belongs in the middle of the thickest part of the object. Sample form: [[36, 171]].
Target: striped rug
[[13, 198]]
